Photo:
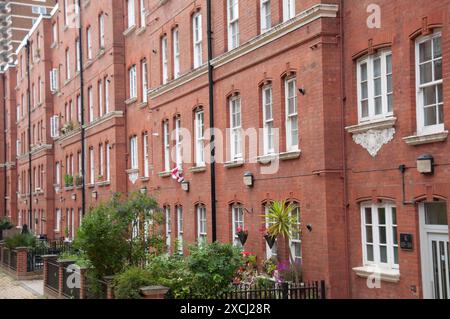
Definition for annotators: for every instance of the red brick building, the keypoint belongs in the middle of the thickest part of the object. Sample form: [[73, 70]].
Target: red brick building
[[325, 104]]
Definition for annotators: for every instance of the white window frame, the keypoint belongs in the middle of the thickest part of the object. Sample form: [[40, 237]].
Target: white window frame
[[291, 117], [164, 60], [268, 120], [91, 104], [178, 143], [54, 126], [68, 75], [108, 162], [58, 220], [79, 108], [236, 128], [168, 227], [89, 43], [55, 33], [288, 10], [293, 242], [78, 56], [142, 13], [390, 244], [197, 37], [180, 229], [91, 166], [439, 127], [199, 138], [146, 155], [233, 23], [102, 160], [201, 225], [58, 173], [270, 252], [54, 80], [144, 82], [166, 145], [238, 219], [66, 12], [369, 61], [101, 27], [134, 152], [176, 53], [265, 15], [131, 14], [132, 81], [100, 98], [107, 82]]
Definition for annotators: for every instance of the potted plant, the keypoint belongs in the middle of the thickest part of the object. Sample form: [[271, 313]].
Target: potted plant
[[68, 180], [242, 235], [270, 239]]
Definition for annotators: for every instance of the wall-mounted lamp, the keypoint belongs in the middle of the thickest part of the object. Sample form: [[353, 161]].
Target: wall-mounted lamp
[[302, 90], [425, 164], [185, 186], [248, 179]]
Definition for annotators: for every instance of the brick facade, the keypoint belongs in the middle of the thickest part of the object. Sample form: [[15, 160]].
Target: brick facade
[[329, 176]]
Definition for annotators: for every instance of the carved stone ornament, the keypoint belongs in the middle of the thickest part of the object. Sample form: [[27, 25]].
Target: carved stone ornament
[[373, 140]]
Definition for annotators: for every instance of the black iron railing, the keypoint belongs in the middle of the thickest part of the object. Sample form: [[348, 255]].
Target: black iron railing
[[309, 290], [53, 275], [6, 257]]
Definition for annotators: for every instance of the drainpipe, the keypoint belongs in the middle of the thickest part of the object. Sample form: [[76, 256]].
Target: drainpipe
[[211, 121], [82, 138], [30, 177], [4, 143], [344, 149]]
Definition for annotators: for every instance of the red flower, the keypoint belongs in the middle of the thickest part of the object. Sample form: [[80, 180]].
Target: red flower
[[246, 253]]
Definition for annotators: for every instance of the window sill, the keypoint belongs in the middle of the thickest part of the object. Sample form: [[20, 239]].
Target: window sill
[[164, 174], [388, 275], [234, 163], [141, 30], [287, 156], [103, 184], [128, 31], [145, 179], [143, 105], [88, 64], [267, 158], [372, 125], [130, 101], [90, 185], [197, 169], [68, 188], [426, 138], [54, 45]]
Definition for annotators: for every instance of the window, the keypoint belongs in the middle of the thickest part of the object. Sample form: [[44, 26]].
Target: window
[[379, 235], [131, 13], [288, 9], [101, 27], [180, 229], [134, 152], [269, 145], [164, 57], [100, 98], [54, 126], [79, 108], [197, 38], [375, 86], [235, 128], [237, 222], [80, 165], [91, 166], [77, 51], [233, 24], [168, 227], [145, 152], [291, 115], [102, 160], [132, 79], [266, 20], [58, 173], [166, 146], [58, 220], [430, 101], [54, 33], [106, 81], [270, 252], [54, 80], [91, 104], [144, 80], [201, 225], [41, 92], [295, 242], [66, 12], [67, 64], [176, 53], [38, 10], [142, 13], [89, 42], [178, 159], [199, 138], [108, 162]]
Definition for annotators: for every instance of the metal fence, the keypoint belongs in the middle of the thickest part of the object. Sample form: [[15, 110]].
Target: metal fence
[[71, 280], [35, 261], [310, 290]]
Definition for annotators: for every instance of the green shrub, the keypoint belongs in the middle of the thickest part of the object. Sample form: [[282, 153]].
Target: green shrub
[[5, 224], [20, 240], [128, 283]]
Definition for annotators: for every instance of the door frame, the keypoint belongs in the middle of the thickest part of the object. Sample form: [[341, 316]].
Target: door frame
[[425, 230]]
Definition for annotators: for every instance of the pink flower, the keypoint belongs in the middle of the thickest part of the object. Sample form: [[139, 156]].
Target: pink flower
[[239, 229]]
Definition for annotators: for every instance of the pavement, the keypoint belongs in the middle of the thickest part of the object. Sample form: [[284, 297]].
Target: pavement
[[13, 289]]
